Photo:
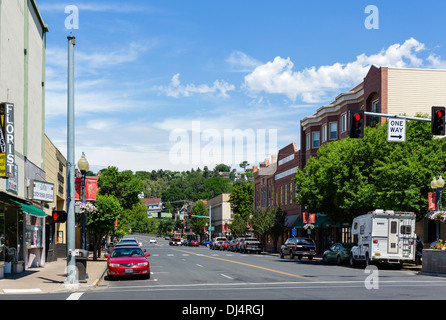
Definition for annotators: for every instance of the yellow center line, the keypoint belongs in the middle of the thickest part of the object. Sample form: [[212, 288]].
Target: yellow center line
[[248, 265]]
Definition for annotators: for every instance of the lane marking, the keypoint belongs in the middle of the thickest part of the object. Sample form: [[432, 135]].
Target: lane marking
[[22, 290], [75, 296], [200, 265], [226, 276], [254, 266]]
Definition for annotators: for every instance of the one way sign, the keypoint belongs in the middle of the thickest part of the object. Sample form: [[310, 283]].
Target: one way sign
[[396, 130]]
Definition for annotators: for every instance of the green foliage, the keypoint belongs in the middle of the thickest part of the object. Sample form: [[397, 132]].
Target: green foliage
[[350, 177], [198, 224], [238, 226], [242, 200]]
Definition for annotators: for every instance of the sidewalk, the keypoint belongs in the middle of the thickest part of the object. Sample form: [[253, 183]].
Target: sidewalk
[[51, 278]]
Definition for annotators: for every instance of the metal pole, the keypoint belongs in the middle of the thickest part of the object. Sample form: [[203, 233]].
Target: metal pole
[[71, 221], [385, 115], [84, 215], [210, 223]]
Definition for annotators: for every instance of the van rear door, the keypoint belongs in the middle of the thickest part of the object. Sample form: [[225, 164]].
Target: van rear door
[[393, 236]]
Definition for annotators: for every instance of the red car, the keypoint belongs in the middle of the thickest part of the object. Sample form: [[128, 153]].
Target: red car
[[125, 261], [194, 243]]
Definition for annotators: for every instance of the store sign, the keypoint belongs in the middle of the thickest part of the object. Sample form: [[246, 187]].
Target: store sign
[[7, 156], [43, 191]]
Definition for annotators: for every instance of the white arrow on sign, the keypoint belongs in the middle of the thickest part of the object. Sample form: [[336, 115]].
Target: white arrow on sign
[[396, 130]]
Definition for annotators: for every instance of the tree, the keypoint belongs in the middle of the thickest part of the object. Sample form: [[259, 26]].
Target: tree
[[102, 221], [238, 226], [123, 185], [242, 200], [198, 224], [243, 165], [350, 177]]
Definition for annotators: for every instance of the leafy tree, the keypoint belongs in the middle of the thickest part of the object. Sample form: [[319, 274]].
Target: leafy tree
[[238, 226], [103, 220], [123, 185], [242, 200], [350, 177], [198, 224]]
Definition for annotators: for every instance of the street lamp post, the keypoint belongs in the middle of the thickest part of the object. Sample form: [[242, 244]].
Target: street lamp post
[[437, 186], [83, 166]]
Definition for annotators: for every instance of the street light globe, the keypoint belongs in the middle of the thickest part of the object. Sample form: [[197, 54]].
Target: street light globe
[[434, 183], [82, 164], [440, 182]]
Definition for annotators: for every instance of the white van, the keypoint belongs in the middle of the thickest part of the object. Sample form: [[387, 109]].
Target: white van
[[384, 236]]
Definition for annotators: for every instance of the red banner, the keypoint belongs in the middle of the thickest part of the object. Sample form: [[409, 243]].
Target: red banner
[[91, 188], [305, 217], [312, 217], [432, 198]]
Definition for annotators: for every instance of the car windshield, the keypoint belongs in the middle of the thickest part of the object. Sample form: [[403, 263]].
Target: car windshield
[[306, 242], [127, 252]]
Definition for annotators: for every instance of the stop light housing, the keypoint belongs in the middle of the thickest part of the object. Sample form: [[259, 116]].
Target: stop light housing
[[437, 121], [59, 216], [357, 124]]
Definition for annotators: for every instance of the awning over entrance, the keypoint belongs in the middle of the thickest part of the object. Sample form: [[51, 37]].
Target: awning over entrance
[[29, 209], [24, 203], [320, 222]]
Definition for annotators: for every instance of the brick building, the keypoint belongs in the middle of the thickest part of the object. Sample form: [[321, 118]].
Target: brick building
[[383, 90]]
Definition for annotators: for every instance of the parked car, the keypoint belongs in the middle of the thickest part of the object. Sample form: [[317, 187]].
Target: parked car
[[215, 244], [207, 243], [250, 245], [126, 261], [299, 247], [130, 240], [339, 252], [152, 240], [224, 245], [127, 243], [194, 243]]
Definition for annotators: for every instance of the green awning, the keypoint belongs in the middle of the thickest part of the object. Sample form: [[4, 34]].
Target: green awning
[[31, 209], [320, 222]]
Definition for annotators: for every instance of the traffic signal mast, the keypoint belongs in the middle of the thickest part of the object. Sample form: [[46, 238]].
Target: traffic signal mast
[[357, 117]]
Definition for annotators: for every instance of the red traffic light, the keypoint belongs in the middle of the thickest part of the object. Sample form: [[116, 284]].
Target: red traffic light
[[59, 216], [358, 116], [439, 114]]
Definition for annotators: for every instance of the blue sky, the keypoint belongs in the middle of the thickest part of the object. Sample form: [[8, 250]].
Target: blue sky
[[160, 83]]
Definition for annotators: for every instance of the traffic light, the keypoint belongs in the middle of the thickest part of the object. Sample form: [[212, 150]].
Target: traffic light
[[190, 215], [357, 124], [173, 216], [437, 121], [59, 216]]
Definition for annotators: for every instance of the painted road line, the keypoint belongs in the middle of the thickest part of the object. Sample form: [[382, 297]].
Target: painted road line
[[75, 296], [254, 266], [22, 290]]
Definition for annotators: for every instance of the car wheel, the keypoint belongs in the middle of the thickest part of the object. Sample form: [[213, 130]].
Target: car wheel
[[291, 255], [310, 258], [281, 254], [325, 259], [339, 260], [352, 261]]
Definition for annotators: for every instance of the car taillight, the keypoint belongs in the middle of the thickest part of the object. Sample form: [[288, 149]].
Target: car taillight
[[295, 247]]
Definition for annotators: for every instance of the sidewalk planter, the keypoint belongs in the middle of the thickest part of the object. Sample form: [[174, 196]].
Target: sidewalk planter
[[8, 267], [18, 267], [434, 261]]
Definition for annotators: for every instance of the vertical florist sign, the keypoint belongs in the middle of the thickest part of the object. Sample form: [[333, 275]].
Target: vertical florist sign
[[7, 157]]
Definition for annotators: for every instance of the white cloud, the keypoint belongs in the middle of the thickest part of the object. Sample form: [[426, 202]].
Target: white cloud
[[176, 89], [241, 62], [313, 84]]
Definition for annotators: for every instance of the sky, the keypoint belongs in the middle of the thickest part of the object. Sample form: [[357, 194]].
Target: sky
[[181, 84]]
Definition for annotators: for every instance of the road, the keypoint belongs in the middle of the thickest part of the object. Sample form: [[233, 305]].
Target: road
[[198, 274]]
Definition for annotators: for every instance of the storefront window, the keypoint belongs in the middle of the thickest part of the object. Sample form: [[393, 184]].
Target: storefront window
[[2, 233], [33, 232]]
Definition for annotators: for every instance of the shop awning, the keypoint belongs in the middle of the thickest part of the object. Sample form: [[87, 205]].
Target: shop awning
[[29, 209], [320, 222]]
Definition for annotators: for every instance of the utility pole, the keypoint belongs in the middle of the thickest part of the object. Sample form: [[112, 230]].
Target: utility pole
[[72, 278]]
